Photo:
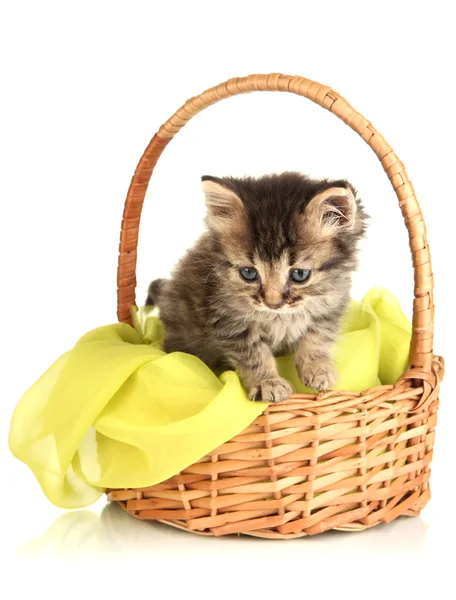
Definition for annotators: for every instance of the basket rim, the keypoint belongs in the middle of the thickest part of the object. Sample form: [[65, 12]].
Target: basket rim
[[336, 399]]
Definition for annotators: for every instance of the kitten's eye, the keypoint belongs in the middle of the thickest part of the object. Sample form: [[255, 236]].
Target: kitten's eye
[[300, 275], [248, 273]]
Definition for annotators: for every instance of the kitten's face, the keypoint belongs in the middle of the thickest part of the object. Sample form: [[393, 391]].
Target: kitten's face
[[281, 284], [286, 238], [285, 283]]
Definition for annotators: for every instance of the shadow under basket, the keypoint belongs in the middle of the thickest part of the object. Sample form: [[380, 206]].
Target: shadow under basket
[[336, 460]]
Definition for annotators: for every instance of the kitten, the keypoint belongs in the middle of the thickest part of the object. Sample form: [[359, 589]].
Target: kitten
[[271, 275]]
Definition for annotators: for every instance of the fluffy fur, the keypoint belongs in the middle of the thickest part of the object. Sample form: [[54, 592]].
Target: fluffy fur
[[273, 224]]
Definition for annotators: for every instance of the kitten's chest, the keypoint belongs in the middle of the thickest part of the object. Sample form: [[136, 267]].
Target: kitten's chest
[[283, 332]]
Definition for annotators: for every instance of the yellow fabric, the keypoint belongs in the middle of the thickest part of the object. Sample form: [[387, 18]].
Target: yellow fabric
[[116, 411]]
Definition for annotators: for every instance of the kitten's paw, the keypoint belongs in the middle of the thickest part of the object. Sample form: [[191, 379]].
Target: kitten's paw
[[318, 376], [271, 390]]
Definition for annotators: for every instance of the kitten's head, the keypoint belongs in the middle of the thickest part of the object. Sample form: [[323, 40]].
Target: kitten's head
[[285, 237]]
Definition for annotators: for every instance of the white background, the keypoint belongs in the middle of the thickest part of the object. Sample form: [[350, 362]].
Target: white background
[[84, 86]]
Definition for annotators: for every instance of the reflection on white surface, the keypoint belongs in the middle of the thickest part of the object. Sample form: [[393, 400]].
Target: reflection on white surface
[[115, 533]]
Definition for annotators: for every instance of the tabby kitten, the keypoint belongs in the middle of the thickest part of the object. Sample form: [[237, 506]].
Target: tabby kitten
[[271, 275]]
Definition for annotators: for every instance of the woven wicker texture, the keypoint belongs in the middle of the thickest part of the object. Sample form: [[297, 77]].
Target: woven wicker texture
[[335, 460]]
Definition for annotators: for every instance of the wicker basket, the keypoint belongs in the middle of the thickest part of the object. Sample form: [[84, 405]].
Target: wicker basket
[[337, 460]]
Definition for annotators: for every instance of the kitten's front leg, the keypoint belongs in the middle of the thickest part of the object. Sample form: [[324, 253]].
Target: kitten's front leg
[[257, 369], [313, 360]]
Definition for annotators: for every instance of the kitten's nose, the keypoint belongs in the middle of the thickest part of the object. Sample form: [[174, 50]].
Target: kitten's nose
[[278, 305]]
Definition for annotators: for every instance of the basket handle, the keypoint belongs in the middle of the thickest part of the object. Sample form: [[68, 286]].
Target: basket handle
[[421, 350]]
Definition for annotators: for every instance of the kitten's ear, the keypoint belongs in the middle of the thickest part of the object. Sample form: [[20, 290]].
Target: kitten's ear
[[225, 209], [333, 210]]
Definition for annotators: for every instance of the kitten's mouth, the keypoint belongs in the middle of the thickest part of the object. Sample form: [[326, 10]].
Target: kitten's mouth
[[278, 309]]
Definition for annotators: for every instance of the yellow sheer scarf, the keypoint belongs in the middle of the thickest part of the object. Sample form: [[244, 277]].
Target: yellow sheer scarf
[[116, 411]]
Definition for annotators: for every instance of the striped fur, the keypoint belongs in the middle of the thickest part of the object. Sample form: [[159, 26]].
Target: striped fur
[[274, 224]]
